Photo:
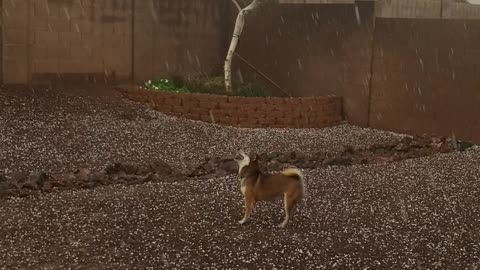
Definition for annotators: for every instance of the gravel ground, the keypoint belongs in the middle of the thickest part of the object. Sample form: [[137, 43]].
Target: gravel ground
[[59, 132], [414, 214]]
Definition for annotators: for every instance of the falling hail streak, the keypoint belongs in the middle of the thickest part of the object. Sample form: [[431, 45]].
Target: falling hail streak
[[183, 17], [197, 60], [152, 11], [240, 76], [189, 56], [212, 117], [357, 14], [81, 7], [300, 66], [67, 13], [47, 7]]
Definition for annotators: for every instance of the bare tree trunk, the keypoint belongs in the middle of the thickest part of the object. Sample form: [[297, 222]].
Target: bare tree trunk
[[237, 32]]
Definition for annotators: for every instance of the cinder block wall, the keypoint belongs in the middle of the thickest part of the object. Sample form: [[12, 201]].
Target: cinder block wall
[[426, 77], [181, 37], [1, 43], [15, 40], [48, 41], [110, 41], [414, 75], [313, 50]]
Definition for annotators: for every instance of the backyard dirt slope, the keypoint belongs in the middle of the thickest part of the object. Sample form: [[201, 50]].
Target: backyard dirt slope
[[411, 214]]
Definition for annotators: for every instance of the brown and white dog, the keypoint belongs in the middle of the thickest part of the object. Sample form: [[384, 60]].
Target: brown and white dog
[[258, 186]]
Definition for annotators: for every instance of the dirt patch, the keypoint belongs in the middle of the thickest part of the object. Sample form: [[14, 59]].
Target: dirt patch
[[416, 214], [129, 174], [60, 131], [407, 148], [23, 185]]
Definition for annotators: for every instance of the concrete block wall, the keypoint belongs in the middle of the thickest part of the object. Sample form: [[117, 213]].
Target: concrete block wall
[[49, 42], [415, 75], [426, 77]]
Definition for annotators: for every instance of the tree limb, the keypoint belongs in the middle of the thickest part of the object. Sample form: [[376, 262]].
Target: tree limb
[[237, 5], [237, 32]]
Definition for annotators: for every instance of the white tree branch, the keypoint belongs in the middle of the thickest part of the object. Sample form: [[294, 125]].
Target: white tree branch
[[237, 32], [237, 5]]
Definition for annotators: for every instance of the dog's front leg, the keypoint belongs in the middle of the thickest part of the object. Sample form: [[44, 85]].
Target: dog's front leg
[[248, 209]]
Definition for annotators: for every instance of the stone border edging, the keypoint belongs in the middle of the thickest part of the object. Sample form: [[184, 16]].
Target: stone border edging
[[246, 112]]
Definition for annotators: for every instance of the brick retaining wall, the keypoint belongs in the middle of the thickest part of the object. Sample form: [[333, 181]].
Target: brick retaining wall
[[248, 112]]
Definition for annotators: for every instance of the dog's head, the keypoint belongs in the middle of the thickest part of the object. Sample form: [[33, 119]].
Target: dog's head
[[245, 161]]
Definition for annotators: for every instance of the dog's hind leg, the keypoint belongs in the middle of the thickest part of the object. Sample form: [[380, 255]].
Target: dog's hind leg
[[248, 209], [289, 202]]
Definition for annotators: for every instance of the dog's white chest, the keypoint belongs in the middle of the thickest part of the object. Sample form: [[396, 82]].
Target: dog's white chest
[[243, 187]]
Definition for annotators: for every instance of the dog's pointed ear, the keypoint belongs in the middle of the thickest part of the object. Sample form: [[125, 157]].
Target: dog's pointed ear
[[242, 153], [254, 157]]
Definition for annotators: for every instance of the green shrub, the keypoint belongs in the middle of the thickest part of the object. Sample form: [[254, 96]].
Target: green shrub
[[209, 85], [165, 85], [206, 85], [252, 90]]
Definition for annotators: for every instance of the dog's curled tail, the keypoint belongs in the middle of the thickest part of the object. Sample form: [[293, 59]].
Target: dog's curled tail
[[296, 173]]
